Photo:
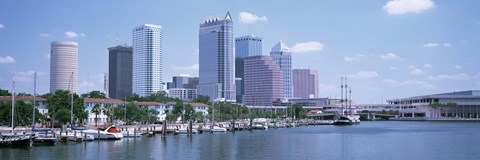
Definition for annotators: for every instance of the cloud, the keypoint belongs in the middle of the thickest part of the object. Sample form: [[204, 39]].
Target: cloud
[[246, 17], [390, 57], [430, 45], [83, 34], [417, 72], [427, 65], [44, 35], [7, 59], [393, 68], [2, 26], [364, 74], [310, 46], [71, 34], [461, 76], [356, 57], [398, 7], [184, 75], [447, 44], [409, 83], [191, 67], [47, 56], [27, 76], [412, 66], [457, 67]]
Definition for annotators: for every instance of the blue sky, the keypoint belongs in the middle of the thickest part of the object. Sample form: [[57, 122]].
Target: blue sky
[[389, 49]]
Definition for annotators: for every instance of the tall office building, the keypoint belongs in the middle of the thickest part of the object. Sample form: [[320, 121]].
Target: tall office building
[[282, 56], [305, 83], [217, 75], [147, 59], [120, 71], [63, 66], [245, 46], [263, 81]]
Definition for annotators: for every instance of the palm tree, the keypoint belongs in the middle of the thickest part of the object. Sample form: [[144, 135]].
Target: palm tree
[[96, 109], [108, 111]]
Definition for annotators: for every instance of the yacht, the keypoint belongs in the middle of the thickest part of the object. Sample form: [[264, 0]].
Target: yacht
[[45, 137], [218, 129], [111, 133]]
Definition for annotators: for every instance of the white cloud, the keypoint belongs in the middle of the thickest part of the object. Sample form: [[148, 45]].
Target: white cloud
[[27, 76], [47, 56], [461, 76], [409, 83], [364, 74], [191, 67], [2, 26], [184, 75], [412, 66], [86, 84], [390, 56], [457, 67], [246, 17], [447, 44], [44, 35], [397, 7], [356, 57], [417, 72], [7, 59], [393, 68], [430, 45], [71, 34], [83, 34], [427, 65], [310, 46]]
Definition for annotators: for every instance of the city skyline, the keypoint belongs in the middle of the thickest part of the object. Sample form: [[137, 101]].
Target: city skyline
[[387, 51]]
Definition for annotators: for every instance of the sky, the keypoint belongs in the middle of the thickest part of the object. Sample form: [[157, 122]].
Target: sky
[[387, 49]]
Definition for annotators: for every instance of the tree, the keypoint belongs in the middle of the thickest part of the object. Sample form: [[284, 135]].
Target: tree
[[188, 112], [23, 114], [4, 93], [96, 110], [63, 115], [108, 111], [61, 99], [201, 99], [94, 94]]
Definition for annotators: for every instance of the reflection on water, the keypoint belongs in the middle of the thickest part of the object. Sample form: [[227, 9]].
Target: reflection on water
[[369, 140]]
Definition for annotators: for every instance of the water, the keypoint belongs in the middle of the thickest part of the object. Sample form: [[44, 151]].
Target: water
[[369, 140]]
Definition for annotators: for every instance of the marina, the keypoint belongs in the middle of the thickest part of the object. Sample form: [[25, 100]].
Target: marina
[[370, 140]]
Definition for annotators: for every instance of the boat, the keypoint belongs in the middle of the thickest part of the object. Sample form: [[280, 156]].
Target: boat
[[44, 137], [347, 120], [259, 125], [218, 129], [184, 130], [111, 133], [14, 139]]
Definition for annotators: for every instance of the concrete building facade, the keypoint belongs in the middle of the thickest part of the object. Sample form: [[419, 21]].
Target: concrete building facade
[[263, 81], [63, 66]]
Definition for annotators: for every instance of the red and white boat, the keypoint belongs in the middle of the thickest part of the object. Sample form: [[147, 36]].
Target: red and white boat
[[111, 133]]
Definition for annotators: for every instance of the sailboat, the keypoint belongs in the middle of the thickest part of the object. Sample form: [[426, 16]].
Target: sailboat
[[43, 136], [349, 118], [14, 139]]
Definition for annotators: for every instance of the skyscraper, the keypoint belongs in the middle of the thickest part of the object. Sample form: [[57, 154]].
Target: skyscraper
[[217, 75], [63, 66], [263, 81], [305, 83], [120, 71], [245, 46], [147, 59], [185, 82], [282, 56]]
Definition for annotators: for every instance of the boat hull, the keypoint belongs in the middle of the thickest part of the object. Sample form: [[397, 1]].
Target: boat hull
[[17, 142]]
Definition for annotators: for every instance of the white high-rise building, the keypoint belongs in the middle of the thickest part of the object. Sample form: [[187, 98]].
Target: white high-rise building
[[283, 57], [147, 59], [216, 58], [63, 66]]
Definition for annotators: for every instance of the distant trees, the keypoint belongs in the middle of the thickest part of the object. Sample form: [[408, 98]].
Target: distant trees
[[4, 93], [135, 114], [94, 94], [23, 114], [60, 102], [201, 99]]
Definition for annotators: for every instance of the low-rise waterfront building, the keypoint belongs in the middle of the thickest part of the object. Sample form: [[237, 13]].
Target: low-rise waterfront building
[[89, 103]]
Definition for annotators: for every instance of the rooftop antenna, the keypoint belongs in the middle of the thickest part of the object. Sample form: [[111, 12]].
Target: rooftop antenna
[[117, 40]]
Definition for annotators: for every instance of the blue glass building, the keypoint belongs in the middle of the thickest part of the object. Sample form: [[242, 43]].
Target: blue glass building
[[283, 57]]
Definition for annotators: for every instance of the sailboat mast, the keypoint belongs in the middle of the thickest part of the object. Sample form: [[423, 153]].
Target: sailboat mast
[[341, 94], [13, 99], [71, 101], [34, 99]]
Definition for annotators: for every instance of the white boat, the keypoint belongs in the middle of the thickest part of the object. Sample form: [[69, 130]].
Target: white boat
[[184, 130], [218, 129], [259, 125], [111, 133]]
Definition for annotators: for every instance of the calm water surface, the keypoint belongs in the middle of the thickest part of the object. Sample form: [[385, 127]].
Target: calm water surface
[[369, 140]]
